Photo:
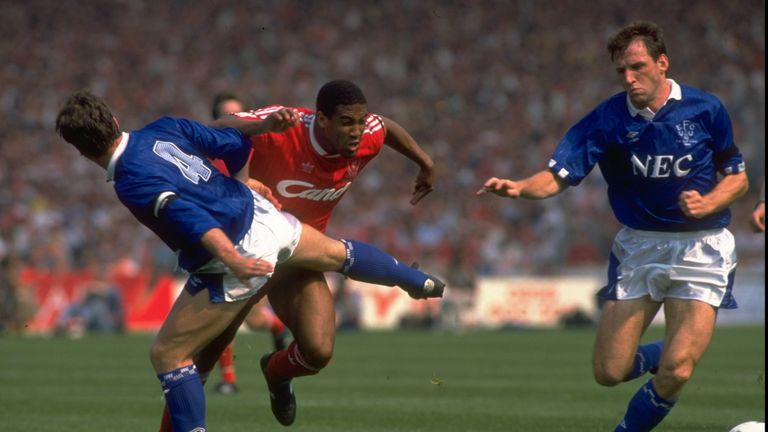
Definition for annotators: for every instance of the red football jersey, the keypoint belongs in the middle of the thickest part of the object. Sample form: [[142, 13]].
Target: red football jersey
[[307, 180]]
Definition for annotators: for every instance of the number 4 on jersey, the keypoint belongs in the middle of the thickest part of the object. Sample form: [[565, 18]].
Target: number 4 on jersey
[[191, 166]]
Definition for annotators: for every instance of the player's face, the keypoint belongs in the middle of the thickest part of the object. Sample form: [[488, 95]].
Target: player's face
[[230, 106], [643, 78], [345, 127]]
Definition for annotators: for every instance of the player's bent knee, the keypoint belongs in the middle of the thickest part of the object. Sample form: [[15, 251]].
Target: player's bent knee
[[334, 255], [157, 356], [165, 357], [675, 375], [608, 377], [318, 356]]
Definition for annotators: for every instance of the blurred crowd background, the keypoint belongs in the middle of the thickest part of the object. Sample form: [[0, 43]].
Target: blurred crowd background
[[486, 87]]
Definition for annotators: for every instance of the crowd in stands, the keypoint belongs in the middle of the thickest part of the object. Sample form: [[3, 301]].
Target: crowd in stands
[[487, 87]]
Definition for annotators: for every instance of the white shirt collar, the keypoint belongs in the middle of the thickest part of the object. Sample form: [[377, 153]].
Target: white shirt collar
[[116, 155], [647, 113], [315, 143]]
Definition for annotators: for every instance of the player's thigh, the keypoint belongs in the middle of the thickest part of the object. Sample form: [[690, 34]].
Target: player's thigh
[[689, 328], [192, 323], [316, 251], [303, 301], [207, 357], [621, 324], [257, 315]]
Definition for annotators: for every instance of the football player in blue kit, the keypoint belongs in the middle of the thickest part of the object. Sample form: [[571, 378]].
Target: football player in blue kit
[[666, 151], [228, 237]]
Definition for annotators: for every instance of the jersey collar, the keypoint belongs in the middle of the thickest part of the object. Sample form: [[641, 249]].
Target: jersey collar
[[116, 155], [647, 113], [315, 143]]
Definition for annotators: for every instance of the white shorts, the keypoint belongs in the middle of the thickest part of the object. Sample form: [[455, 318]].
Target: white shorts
[[273, 237], [697, 265]]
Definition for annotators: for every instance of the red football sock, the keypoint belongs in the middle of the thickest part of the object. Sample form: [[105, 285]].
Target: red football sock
[[276, 326], [227, 364], [289, 363]]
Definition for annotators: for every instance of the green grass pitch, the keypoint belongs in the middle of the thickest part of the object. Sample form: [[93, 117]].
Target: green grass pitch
[[379, 381]]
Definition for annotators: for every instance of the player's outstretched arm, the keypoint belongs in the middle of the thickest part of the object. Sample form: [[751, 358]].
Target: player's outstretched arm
[[543, 184], [725, 192], [400, 140], [277, 121]]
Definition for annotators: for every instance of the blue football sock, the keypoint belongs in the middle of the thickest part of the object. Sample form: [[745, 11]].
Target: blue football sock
[[647, 358], [367, 263], [185, 397], [646, 410]]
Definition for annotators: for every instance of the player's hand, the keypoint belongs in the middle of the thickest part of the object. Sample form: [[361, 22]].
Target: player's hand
[[262, 189], [246, 268], [280, 120], [693, 204], [423, 184], [501, 187], [758, 218]]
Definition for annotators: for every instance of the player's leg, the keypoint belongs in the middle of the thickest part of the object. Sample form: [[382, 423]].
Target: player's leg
[[361, 261], [192, 323], [621, 325], [302, 299], [632, 298], [689, 327], [262, 317], [304, 302], [206, 358], [228, 383], [701, 265]]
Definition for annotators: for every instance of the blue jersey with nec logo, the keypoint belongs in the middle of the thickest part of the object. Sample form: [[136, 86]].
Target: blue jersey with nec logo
[[162, 174], [647, 164]]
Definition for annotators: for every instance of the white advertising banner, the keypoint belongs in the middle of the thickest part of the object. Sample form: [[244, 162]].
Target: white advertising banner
[[534, 301]]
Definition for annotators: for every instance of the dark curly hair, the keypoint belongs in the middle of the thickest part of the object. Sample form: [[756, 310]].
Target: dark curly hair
[[338, 92]]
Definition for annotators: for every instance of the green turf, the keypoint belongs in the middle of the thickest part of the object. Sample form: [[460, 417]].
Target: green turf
[[381, 381]]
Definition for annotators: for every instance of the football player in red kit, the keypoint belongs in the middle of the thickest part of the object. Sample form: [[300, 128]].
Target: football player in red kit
[[309, 159]]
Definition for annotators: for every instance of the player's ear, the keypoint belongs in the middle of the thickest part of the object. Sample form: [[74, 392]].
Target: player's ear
[[663, 62], [322, 119]]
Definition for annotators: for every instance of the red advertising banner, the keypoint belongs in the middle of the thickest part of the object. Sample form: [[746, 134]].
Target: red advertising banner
[[145, 303]]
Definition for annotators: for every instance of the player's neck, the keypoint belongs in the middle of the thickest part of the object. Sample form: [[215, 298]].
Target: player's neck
[[661, 99], [322, 140], [103, 160]]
